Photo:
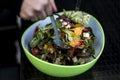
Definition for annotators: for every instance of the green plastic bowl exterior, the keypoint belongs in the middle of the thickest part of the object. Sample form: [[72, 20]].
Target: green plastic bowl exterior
[[61, 70]]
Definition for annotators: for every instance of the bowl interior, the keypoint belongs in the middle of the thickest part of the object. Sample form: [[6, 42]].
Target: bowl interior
[[93, 23]]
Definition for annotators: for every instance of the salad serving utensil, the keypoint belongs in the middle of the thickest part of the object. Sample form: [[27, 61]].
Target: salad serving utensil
[[77, 7], [58, 41]]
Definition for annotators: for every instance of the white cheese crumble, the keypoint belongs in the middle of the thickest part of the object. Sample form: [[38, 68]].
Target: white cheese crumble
[[86, 34]]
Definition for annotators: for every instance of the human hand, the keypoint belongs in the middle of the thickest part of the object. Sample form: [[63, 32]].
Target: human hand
[[37, 9]]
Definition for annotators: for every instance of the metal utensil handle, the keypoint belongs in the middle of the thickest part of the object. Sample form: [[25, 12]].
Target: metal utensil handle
[[77, 7], [54, 27], [57, 40]]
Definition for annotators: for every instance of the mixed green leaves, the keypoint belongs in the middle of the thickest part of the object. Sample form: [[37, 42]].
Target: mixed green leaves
[[77, 37]]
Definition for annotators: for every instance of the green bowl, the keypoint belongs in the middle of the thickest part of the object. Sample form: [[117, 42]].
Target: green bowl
[[62, 70]]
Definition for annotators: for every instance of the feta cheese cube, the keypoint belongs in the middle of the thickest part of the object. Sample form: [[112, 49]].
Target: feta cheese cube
[[68, 26], [86, 34], [75, 59], [61, 20], [64, 24]]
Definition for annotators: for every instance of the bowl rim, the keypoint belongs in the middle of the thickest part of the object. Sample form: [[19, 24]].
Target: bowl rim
[[68, 66]]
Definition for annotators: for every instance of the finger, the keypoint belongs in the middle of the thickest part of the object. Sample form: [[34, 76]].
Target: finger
[[45, 2], [34, 19], [26, 14], [54, 8], [41, 15], [48, 9], [23, 16]]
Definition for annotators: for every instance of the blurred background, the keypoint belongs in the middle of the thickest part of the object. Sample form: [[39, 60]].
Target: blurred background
[[9, 65], [15, 66]]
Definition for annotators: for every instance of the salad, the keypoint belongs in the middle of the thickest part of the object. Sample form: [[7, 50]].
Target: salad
[[74, 32]]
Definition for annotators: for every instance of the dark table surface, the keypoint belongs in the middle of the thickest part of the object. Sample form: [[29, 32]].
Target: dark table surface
[[108, 66]]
